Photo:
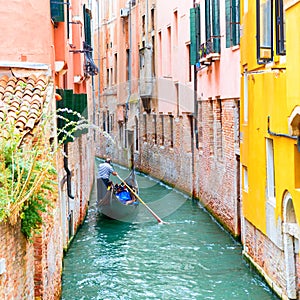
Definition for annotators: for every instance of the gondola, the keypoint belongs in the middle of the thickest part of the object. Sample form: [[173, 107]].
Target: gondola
[[109, 204]]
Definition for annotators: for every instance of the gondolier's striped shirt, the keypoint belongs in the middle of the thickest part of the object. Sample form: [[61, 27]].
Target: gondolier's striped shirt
[[104, 171]]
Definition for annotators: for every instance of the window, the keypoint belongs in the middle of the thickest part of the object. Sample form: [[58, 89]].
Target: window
[[162, 130], [143, 25], [280, 28], [115, 68], [108, 122], [270, 170], [175, 28], [245, 110], [245, 179], [155, 128], [159, 63], [264, 27], [189, 73], [212, 25], [127, 64], [169, 49], [152, 19], [153, 56], [145, 127], [104, 121], [232, 22], [171, 131]]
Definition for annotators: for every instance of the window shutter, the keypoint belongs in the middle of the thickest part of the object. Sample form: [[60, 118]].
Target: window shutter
[[216, 25], [207, 20], [194, 35], [87, 25], [64, 117], [80, 106], [228, 22], [236, 22], [57, 10]]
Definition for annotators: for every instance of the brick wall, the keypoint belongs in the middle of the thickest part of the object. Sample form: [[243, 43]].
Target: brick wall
[[265, 254], [215, 179], [18, 280], [33, 270]]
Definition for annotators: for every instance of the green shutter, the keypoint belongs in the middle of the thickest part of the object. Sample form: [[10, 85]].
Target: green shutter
[[228, 22], [207, 20], [194, 35], [216, 25], [87, 26], [57, 10], [80, 106], [69, 103], [236, 22]]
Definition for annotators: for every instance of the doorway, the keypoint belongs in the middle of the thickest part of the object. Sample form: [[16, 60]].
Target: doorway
[[290, 240]]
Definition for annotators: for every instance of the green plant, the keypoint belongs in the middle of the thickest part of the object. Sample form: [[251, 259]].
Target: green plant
[[27, 175], [28, 181]]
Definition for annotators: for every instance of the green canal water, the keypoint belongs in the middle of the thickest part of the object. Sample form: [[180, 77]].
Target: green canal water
[[191, 258]]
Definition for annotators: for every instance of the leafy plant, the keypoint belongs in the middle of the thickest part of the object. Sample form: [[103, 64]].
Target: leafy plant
[[28, 179]]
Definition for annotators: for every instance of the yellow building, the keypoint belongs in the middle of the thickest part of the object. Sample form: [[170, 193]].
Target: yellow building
[[270, 156]]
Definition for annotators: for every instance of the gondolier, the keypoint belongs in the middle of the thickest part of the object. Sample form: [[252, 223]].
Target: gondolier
[[105, 170]]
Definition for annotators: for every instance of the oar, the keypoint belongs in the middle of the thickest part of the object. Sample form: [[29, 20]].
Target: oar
[[159, 220]]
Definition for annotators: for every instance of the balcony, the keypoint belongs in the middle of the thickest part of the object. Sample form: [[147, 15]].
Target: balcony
[[209, 51]]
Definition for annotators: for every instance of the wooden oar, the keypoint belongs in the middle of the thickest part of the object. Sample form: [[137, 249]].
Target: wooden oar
[[159, 220]]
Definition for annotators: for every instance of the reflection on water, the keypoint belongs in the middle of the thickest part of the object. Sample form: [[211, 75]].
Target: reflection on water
[[191, 258]]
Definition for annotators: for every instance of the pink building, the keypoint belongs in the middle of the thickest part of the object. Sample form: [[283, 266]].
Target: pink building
[[46, 49], [174, 102]]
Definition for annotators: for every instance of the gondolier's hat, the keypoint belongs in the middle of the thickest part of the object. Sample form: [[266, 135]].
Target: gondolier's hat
[[108, 160]]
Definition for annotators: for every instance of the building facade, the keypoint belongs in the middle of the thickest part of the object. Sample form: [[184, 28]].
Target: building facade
[[43, 54], [169, 95], [269, 141]]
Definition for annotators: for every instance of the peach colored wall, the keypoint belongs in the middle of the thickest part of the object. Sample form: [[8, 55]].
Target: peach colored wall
[[25, 33], [173, 57]]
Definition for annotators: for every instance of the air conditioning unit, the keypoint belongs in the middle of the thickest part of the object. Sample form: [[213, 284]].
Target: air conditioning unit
[[124, 12]]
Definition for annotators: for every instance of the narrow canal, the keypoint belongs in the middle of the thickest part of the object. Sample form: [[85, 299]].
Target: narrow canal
[[191, 258]]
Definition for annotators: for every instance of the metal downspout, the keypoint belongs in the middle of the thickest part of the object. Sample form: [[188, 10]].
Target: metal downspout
[[194, 131], [129, 64], [69, 174], [98, 56]]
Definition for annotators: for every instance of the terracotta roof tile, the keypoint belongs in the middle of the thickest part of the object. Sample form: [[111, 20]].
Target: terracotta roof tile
[[22, 101]]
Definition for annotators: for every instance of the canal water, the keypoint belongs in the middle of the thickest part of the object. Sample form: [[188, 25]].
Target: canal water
[[190, 258]]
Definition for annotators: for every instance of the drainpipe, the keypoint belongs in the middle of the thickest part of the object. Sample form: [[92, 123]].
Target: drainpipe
[[98, 56], [69, 175], [129, 63], [294, 137], [194, 128]]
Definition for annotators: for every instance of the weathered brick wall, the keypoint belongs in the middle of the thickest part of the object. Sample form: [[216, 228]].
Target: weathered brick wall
[[33, 270], [215, 178], [18, 280], [48, 256], [218, 174], [265, 254]]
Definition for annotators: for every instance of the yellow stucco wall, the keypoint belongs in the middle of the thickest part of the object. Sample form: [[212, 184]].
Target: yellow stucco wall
[[273, 90]]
